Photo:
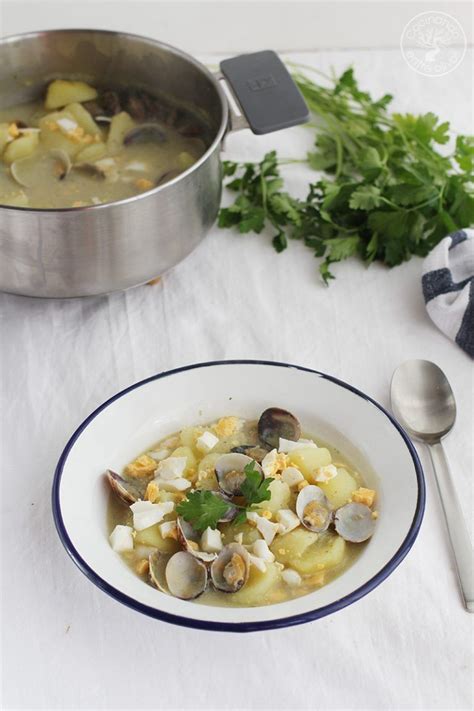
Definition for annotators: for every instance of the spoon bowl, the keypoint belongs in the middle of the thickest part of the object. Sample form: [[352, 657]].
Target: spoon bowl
[[422, 400]]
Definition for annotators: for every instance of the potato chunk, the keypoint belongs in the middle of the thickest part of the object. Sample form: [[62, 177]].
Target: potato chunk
[[310, 459], [291, 546], [152, 537], [249, 533], [4, 136], [91, 153], [21, 147], [339, 489], [61, 92], [53, 138], [258, 585], [119, 127], [325, 552], [280, 497], [84, 119]]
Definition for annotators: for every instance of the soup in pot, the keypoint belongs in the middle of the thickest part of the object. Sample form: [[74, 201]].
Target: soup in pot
[[83, 146]]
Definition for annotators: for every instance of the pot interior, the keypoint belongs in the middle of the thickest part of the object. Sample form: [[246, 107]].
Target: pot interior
[[109, 60]]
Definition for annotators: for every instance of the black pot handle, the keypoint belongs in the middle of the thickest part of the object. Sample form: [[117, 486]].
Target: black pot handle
[[265, 91]]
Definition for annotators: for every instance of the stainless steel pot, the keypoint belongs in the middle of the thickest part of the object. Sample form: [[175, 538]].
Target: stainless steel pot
[[104, 248]]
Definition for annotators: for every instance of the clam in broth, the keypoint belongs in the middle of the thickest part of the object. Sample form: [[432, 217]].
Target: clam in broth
[[240, 513]]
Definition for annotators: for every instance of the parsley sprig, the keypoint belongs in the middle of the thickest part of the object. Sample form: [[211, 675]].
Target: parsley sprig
[[385, 192], [203, 508]]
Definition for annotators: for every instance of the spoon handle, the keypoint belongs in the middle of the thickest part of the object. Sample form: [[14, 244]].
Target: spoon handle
[[457, 528]]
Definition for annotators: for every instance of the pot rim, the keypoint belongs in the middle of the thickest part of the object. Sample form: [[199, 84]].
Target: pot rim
[[10, 39]]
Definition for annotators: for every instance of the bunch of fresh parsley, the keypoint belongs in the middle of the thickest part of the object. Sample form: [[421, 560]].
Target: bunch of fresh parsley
[[386, 193], [203, 508]]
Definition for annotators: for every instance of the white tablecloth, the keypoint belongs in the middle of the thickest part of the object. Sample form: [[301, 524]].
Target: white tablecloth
[[66, 644]]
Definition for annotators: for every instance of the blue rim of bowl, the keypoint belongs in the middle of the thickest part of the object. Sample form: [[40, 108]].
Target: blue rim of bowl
[[393, 563]]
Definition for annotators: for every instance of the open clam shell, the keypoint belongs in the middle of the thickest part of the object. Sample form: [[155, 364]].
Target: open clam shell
[[313, 509], [254, 451], [190, 539], [186, 576], [354, 522], [158, 562], [275, 423], [125, 490], [230, 570], [145, 133], [230, 472], [36, 168]]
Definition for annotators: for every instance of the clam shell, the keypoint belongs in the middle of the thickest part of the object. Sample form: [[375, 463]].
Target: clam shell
[[185, 575], [158, 562], [188, 536], [354, 522], [275, 423], [233, 464], [252, 450], [56, 162], [125, 490], [321, 512], [145, 133], [219, 569]]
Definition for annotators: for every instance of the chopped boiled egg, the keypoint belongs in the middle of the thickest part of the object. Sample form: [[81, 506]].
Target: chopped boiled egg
[[121, 539], [159, 454], [146, 514], [287, 519], [288, 445], [66, 124], [136, 165], [171, 467], [258, 563], [261, 550], [206, 442], [267, 528], [325, 473], [179, 484], [273, 462], [211, 540], [227, 426], [291, 577], [169, 529], [291, 476]]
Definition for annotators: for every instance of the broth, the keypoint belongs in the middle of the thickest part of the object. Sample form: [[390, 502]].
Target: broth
[[92, 152], [314, 559]]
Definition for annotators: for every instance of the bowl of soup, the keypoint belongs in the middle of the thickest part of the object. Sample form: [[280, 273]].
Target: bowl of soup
[[238, 495], [110, 143]]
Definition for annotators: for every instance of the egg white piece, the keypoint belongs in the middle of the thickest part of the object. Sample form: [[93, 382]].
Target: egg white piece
[[287, 445], [121, 539]]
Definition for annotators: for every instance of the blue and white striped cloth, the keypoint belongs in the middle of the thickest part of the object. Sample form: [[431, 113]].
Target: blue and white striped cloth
[[448, 287]]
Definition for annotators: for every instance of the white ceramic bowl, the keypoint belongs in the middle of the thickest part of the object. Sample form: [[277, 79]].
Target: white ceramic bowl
[[136, 417]]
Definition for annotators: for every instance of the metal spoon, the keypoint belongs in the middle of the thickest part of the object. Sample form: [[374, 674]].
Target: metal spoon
[[424, 403]]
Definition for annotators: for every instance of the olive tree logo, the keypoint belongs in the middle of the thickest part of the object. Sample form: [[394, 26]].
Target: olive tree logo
[[433, 43]]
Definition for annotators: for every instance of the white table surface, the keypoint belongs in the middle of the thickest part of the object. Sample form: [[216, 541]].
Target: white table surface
[[66, 644]]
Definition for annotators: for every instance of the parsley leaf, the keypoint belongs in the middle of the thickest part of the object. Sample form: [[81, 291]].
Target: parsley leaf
[[202, 509], [254, 488], [383, 192]]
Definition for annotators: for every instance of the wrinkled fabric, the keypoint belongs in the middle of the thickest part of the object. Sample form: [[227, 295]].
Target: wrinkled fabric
[[66, 644], [448, 287]]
